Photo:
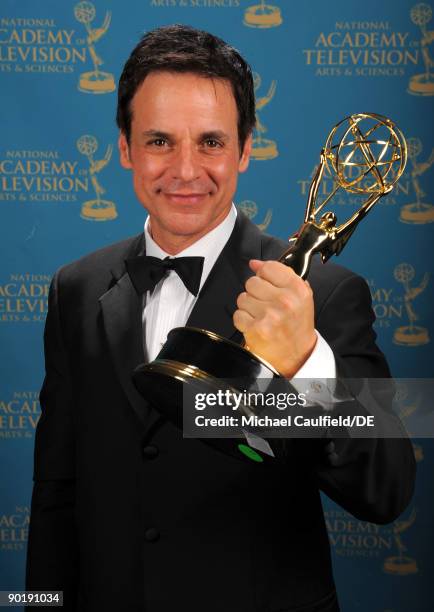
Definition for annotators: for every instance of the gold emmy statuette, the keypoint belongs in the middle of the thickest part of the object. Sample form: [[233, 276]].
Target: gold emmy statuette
[[410, 335], [423, 84], [400, 564], [262, 16], [419, 211], [98, 209], [95, 81], [250, 209], [406, 409], [263, 148], [204, 360]]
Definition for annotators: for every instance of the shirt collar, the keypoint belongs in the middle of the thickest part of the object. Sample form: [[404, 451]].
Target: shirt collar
[[209, 246]]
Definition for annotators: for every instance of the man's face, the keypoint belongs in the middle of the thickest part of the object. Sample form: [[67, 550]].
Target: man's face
[[184, 154]]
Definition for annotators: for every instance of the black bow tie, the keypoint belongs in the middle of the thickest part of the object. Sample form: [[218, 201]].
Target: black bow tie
[[146, 271]]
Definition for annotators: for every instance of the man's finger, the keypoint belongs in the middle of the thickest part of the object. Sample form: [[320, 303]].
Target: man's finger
[[242, 320], [255, 264], [261, 289], [278, 274], [251, 305]]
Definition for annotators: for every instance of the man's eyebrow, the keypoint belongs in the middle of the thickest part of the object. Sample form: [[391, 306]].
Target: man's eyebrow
[[215, 134], [210, 134], [155, 134]]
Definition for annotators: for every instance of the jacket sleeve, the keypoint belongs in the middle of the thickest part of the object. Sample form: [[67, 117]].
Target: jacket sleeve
[[52, 557], [373, 478]]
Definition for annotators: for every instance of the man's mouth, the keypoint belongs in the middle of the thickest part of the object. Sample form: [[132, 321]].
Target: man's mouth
[[186, 198]]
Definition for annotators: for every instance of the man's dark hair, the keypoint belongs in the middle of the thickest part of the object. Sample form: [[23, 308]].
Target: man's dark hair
[[181, 48]]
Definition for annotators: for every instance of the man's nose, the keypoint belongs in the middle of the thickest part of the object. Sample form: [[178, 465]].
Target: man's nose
[[185, 164]]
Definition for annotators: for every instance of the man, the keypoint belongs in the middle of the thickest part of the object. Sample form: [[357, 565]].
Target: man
[[126, 514]]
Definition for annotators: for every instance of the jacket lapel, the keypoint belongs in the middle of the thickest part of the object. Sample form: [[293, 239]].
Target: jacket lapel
[[122, 316], [217, 299]]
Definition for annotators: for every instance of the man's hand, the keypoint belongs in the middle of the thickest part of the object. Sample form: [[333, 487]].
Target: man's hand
[[276, 316]]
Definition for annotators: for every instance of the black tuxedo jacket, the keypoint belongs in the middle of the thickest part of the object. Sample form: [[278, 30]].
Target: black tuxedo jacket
[[127, 515]]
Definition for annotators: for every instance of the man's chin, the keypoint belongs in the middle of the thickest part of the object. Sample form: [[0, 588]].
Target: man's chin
[[187, 224], [188, 227], [190, 222]]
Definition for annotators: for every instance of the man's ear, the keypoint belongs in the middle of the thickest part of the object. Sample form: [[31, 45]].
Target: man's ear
[[243, 164], [124, 151]]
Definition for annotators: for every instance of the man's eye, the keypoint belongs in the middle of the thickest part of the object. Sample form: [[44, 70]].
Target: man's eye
[[212, 143], [158, 142]]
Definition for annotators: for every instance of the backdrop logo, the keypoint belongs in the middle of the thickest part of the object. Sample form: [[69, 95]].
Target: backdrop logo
[[423, 84], [190, 4], [263, 148], [387, 306], [410, 335], [250, 209], [405, 406], [14, 529], [97, 209], [19, 414], [262, 15], [362, 48], [352, 538], [401, 564], [95, 81], [24, 298], [418, 211], [31, 45], [39, 176]]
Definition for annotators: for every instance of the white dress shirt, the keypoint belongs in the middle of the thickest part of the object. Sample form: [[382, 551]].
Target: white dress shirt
[[170, 304]]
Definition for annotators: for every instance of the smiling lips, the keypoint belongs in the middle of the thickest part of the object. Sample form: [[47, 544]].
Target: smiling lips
[[185, 198], [177, 191]]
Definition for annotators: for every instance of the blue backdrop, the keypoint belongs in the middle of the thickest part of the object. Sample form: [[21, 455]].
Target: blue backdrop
[[63, 194]]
